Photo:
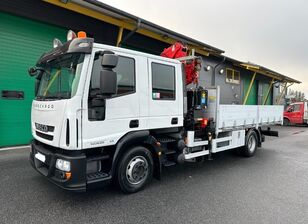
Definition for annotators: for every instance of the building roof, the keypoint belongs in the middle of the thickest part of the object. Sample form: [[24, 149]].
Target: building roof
[[268, 72], [262, 70]]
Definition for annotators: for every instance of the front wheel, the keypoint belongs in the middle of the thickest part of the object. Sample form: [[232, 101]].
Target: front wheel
[[135, 169], [286, 122], [251, 144]]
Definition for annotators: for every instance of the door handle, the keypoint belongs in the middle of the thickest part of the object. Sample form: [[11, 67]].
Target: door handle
[[134, 124], [174, 120]]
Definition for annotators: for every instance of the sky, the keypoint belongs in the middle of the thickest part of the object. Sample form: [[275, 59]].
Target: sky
[[271, 33]]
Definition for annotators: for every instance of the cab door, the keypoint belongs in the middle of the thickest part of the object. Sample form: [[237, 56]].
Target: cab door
[[165, 94], [106, 121], [294, 114], [298, 113]]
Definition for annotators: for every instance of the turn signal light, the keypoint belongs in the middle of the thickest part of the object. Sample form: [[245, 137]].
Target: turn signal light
[[68, 175]]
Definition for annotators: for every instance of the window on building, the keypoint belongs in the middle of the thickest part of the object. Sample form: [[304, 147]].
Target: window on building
[[232, 76], [125, 75], [163, 82]]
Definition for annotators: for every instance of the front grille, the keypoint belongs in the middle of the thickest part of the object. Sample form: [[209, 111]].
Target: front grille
[[45, 136]]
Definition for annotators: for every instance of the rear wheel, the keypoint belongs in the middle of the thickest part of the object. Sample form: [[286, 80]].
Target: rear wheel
[[251, 144], [135, 169]]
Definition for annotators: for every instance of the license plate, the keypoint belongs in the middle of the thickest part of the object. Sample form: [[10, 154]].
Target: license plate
[[40, 157]]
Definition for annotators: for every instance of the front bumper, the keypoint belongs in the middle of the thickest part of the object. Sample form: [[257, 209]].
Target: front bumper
[[77, 181]]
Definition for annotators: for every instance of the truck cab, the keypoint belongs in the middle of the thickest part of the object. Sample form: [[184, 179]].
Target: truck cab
[[296, 113], [94, 100]]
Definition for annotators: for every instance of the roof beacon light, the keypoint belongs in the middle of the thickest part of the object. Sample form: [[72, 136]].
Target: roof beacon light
[[82, 34], [56, 43], [71, 35]]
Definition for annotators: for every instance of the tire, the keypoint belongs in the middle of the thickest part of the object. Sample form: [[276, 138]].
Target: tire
[[135, 169], [251, 144], [286, 122]]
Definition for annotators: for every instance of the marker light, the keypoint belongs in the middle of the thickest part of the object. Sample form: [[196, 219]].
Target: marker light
[[70, 35], [82, 34], [63, 165], [56, 43]]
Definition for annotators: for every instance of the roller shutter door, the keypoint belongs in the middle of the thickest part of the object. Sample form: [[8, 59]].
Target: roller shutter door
[[22, 42]]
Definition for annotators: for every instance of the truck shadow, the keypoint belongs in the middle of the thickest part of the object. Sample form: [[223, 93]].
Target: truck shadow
[[173, 177]]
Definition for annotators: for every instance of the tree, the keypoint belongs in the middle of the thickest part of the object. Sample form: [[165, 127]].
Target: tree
[[303, 97], [296, 95]]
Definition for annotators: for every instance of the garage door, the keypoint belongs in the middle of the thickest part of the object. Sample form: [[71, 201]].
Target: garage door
[[22, 42]]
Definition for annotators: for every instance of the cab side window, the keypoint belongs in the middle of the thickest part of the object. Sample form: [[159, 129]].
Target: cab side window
[[125, 75], [126, 84], [297, 107], [291, 108], [163, 82]]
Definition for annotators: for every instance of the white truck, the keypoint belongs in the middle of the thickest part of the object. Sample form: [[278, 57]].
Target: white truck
[[103, 114]]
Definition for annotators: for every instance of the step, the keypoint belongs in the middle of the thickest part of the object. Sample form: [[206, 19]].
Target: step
[[168, 163], [169, 152], [165, 139], [98, 176], [196, 154]]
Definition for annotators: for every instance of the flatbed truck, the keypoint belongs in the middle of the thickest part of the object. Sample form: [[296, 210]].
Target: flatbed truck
[[106, 114]]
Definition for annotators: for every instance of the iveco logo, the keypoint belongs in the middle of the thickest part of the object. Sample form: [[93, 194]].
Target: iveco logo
[[41, 127]]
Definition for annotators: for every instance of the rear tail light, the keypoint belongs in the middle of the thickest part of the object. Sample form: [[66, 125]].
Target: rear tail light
[[204, 122]]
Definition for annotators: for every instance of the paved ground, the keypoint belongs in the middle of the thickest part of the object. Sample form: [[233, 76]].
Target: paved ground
[[271, 187]]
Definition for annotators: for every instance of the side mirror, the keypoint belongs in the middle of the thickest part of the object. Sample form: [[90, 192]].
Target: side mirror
[[109, 60], [290, 109], [32, 71], [108, 78]]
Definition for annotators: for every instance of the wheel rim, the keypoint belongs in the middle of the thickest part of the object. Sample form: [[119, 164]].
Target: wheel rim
[[137, 170], [251, 143]]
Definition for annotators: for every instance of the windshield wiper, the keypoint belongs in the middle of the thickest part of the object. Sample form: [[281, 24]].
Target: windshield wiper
[[39, 97]]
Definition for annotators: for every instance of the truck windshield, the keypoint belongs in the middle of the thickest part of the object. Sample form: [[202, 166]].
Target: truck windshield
[[59, 77]]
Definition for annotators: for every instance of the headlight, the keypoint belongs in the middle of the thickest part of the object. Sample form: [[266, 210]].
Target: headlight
[[63, 165]]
